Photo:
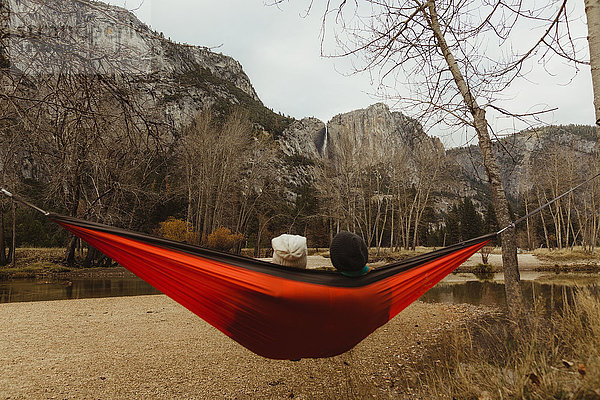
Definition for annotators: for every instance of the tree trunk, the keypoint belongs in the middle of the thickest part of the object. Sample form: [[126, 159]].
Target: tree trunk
[[529, 246], [4, 35], [4, 65], [3, 260], [595, 225], [592, 12], [258, 234], [14, 234], [392, 228], [189, 218], [508, 237], [10, 252], [70, 251], [544, 225], [94, 258]]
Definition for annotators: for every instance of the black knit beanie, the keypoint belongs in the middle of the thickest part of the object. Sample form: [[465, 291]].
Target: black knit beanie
[[349, 253]]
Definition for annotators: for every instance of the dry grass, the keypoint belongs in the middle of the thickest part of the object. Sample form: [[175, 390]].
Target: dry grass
[[575, 254], [31, 255], [31, 271], [548, 356], [570, 279], [34, 261]]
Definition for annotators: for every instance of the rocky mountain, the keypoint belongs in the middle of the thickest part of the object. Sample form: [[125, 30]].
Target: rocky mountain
[[375, 131], [523, 155], [374, 134], [93, 38], [305, 138]]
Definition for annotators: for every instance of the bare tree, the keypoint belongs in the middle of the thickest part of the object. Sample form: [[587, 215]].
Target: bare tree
[[555, 173], [94, 144], [587, 218], [231, 144], [413, 180], [339, 184], [227, 172], [429, 163], [441, 49]]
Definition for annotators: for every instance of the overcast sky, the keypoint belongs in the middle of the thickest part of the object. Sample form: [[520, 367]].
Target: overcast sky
[[279, 49]]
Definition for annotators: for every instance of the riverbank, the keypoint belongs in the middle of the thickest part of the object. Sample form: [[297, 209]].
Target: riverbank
[[46, 263], [151, 347]]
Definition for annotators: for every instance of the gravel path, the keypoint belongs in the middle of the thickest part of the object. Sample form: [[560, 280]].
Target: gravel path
[[527, 261], [149, 347]]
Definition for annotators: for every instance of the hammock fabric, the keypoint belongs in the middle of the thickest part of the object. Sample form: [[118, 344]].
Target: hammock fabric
[[276, 312]]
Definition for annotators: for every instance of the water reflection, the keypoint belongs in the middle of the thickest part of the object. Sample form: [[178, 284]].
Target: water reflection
[[491, 293], [456, 288], [17, 290]]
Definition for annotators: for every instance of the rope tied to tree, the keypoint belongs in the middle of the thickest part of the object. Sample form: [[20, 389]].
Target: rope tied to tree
[[21, 200]]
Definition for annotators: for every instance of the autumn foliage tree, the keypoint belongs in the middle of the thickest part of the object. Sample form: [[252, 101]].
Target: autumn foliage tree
[[178, 230], [223, 239]]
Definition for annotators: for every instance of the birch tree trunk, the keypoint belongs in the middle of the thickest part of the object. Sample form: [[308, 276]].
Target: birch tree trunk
[[592, 12], [529, 246], [509, 246], [543, 222]]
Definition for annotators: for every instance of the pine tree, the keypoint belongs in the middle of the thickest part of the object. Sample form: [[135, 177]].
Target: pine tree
[[471, 222]]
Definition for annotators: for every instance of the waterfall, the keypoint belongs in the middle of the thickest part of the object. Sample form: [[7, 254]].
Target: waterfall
[[324, 149]]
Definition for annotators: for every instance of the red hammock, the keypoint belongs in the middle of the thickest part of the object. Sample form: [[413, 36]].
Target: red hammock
[[276, 312]]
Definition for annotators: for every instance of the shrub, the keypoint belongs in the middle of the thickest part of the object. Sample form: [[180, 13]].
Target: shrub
[[484, 272], [485, 253], [178, 230], [484, 268], [223, 239]]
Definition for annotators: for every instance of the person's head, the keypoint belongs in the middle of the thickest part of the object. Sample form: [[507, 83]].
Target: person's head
[[290, 250], [349, 254]]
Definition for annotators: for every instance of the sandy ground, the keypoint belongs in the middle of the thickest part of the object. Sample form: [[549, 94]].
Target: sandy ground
[[149, 347], [526, 261]]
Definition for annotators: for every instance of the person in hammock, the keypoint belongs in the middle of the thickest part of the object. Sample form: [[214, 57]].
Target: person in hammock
[[290, 250], [349, 254]]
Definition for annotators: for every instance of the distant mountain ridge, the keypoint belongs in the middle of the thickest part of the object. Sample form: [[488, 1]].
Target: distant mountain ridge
[[520, 154]]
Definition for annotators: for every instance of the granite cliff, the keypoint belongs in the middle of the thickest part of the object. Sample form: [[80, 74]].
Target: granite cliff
[[523, 155], [93, 38], [374, 134]]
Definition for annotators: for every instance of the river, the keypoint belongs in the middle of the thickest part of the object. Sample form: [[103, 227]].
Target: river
[[455, 288]]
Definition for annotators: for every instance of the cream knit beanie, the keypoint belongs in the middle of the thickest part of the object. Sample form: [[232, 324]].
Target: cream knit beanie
[[290, 250]]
